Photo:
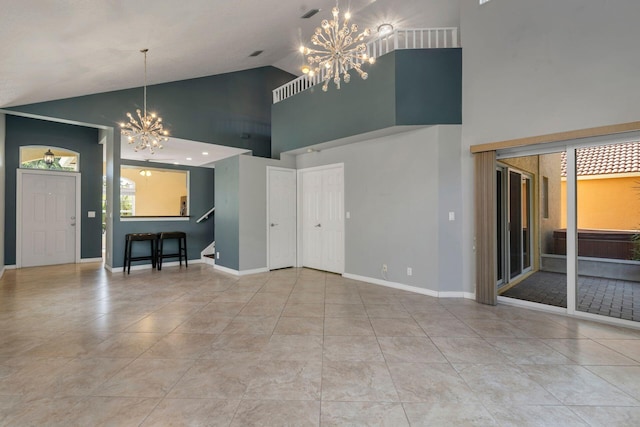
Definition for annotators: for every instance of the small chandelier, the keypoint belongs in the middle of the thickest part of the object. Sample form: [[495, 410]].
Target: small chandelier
[[339, 50], [146, 131], [49, 158]]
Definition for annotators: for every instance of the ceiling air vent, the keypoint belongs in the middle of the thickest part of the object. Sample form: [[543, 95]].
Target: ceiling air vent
[[256, 53], [310, 13]]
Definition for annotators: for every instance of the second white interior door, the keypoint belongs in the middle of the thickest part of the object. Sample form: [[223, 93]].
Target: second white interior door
[[322, 218]]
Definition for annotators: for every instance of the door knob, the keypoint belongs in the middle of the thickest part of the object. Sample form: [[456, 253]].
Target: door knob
[[73, 224], [273, 225], [318, 225]]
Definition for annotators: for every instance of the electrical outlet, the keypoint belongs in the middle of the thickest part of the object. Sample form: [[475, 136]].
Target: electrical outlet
[[217, 255], [409, 271], [384, 268]]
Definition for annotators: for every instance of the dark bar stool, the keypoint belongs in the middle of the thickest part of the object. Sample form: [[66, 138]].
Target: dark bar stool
[[182, 247], [139, 237]]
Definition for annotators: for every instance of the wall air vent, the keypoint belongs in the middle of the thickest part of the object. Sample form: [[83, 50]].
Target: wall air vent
[[310, 13], [256, 53]]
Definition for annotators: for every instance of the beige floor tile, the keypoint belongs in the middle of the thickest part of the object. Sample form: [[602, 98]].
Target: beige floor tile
[[44, 411], [215, 379], [345, 326], [204, 323], [300, 326], [628, 348], [344, 310], [112, 411], [293, 309], [221, 308], [575, 385], [81, 377], [293, 347], [468, 350], [357, 382], [180, 346], [410, 349], [505, 384], [192, 412], [231, 346], [448, 414], [588, 352], [608, 416], [251, 325], [354, 348], [125, 344], [386, 310], [363, 414], [626, 378], [276, 413], [535, 416], [450, 327], [527, 351], [396, 327], [145, 378], [285, 380], [488, 328], [430, 382]]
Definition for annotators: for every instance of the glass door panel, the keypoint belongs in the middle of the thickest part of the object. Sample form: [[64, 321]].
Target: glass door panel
[[608, 222]]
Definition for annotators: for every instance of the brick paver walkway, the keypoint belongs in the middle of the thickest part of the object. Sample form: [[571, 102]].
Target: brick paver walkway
[[607, 297]]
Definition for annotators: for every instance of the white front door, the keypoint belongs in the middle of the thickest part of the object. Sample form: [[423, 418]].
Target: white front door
[[47, 213], [281, 217], [322, 217]]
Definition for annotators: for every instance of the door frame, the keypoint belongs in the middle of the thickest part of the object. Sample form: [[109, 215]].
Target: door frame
[[19, 174], [299, 179], [295, 176], [504, 258]]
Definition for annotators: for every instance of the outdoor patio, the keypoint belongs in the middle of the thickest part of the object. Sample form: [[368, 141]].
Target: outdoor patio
[[607, 297]]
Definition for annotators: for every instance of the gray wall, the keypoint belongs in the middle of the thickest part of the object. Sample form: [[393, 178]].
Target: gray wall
[[533, 68], [399, 205], [2, 189], [227, 216], [21, 131], [253, 210]]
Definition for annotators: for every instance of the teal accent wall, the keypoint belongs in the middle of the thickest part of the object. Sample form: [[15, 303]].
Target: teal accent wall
[[21, 131], [216, 109], [428, 87], [405, 87], [227, 224]]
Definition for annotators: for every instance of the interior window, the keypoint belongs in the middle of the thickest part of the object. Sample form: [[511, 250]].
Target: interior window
[[153, 192]]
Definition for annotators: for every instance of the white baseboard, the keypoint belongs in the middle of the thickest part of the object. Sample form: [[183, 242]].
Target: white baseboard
[[408, 288], [83, 260], [240, 273], [10, 267], [150, 266]]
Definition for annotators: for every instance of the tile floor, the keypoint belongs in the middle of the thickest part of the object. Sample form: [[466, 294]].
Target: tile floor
[[82, 347]]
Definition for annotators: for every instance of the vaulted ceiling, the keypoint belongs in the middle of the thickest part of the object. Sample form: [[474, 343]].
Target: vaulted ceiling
[[60, 49]]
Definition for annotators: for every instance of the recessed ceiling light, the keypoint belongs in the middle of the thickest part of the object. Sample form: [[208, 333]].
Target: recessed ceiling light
[[189, 158], [204, 153]]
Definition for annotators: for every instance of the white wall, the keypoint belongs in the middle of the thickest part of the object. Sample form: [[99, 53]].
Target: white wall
[[399, 190], [537, 67], [2, 185]]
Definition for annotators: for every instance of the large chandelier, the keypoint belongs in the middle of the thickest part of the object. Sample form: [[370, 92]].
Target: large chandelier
[[338, 50], [145, 132]]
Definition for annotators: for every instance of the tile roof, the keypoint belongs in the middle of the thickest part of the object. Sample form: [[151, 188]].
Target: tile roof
[[606, 159]]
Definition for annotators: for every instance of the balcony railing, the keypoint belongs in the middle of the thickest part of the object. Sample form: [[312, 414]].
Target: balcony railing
[[420, 38]]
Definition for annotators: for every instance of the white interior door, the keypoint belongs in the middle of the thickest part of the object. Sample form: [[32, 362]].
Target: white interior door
[[282, 217], [322, 217], [312, 219], [48, 219]]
